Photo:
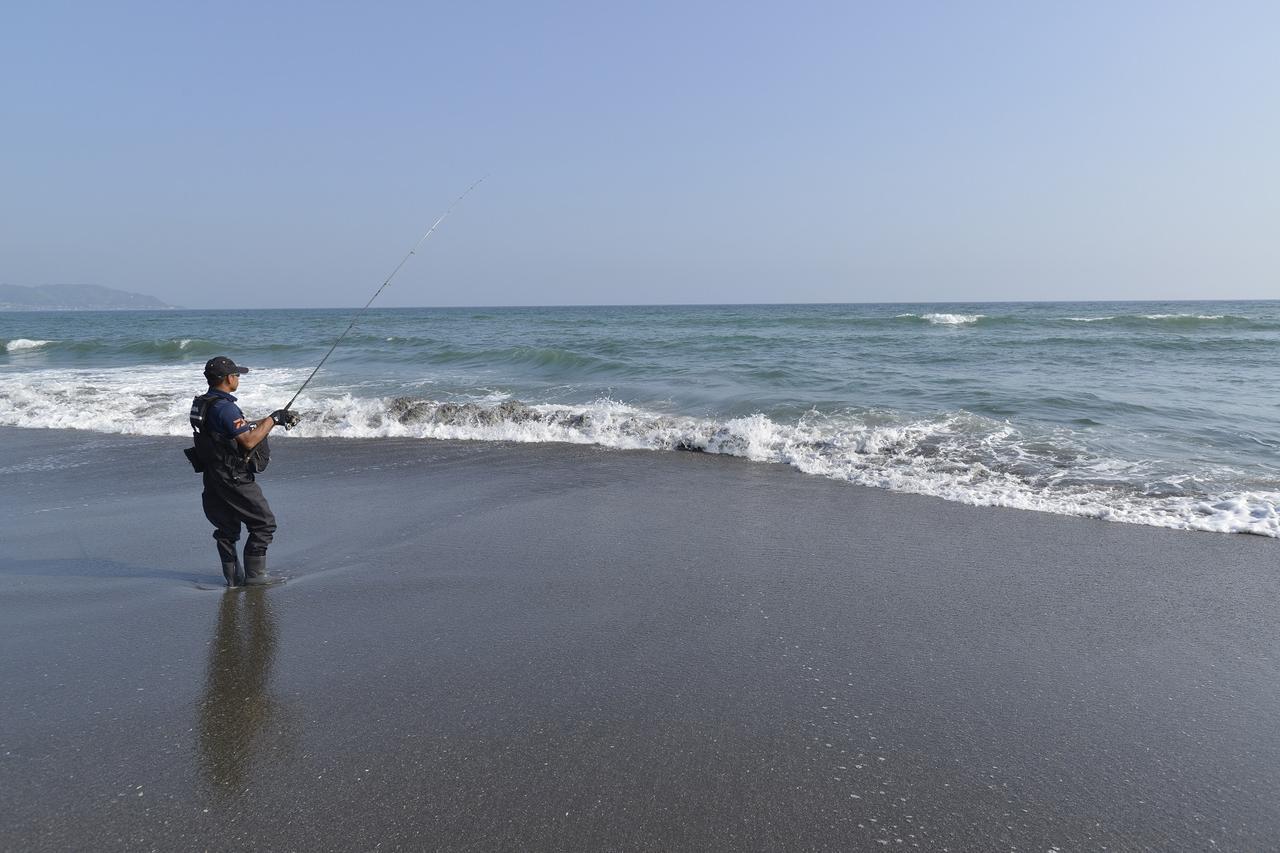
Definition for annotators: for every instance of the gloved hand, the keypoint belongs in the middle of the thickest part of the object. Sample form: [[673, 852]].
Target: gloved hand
[[286, 418]]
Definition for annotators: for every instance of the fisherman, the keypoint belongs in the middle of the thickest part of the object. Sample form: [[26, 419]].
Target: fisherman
[[229, 450]]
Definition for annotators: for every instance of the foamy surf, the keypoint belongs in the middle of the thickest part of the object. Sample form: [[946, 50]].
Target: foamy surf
[[24, 344], [1155, 413], [957, 456], [945, 319], [1156, 320]]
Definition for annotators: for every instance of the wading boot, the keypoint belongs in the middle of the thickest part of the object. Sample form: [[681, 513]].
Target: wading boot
[[233, 573], [255, 571]]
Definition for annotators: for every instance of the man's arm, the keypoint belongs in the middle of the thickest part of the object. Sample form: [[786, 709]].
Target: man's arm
[[249, 439]]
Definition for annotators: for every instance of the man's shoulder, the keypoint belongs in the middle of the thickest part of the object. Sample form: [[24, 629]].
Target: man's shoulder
[[226, 417], [219, 404]]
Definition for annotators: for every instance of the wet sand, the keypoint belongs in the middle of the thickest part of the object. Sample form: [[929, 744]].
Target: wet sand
[[567, 648]]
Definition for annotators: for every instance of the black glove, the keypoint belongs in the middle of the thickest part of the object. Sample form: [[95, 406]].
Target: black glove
[[286, 418]]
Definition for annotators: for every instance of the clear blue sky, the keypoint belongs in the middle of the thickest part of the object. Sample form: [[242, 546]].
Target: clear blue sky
[[281, 154]]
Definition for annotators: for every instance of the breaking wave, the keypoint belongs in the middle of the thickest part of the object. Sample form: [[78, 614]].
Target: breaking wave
[[1175, 321], [945, 319], [165, 349], [21, 344], [958, 455]]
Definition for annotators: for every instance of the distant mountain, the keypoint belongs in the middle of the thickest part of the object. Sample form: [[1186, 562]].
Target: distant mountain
[[74, 297]]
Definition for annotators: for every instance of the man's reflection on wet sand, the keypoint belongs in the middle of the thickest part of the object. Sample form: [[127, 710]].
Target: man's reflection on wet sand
[[236, 710]]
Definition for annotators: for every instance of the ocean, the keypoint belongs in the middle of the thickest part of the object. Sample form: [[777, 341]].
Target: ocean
[[1153, 413]]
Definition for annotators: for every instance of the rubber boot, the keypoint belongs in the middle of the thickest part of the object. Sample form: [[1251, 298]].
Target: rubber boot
[[233, 573], [255, 571]]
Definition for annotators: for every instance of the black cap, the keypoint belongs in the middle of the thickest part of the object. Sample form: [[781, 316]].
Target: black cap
[[222, 366]]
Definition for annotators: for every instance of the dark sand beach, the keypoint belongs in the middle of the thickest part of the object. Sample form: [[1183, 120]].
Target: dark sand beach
[[561, 647]]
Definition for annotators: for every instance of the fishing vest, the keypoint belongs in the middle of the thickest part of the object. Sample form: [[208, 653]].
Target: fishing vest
[[222, 455]]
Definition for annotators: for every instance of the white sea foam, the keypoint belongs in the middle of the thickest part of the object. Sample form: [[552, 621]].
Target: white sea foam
[[944, 319], [24, 344], [957, 456], [952, 319], [1147, 317], [151, 401]]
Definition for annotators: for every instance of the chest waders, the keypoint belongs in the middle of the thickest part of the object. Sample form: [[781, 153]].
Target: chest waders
[[231, 497]]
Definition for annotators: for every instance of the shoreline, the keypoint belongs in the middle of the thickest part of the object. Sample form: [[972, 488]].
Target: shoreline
[[568, 646], [1230, 514], [997, 406]]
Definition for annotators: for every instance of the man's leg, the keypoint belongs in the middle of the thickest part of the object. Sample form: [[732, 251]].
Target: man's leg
[[251, 507], [226, 531]]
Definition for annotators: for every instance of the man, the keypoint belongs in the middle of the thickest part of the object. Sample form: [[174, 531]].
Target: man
[[229, 450]]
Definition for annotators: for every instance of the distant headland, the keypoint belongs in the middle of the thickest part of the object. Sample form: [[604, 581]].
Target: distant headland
[[75, 297]]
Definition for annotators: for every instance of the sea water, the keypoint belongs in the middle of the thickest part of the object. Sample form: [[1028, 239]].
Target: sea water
[[1154, 413]]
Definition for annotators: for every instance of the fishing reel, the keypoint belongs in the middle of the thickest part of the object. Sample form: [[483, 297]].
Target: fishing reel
[[286, 418]]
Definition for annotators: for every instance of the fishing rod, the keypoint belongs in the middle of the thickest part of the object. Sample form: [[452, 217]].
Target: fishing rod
[[360, 313]]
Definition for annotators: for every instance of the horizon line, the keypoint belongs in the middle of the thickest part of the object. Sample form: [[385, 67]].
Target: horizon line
[[719, 304], [1116, 301]]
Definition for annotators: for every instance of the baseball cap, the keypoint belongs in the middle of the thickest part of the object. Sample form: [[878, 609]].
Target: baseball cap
[[222, 366]]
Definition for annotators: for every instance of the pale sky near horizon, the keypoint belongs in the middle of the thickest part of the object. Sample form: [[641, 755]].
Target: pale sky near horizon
[[289, 154]]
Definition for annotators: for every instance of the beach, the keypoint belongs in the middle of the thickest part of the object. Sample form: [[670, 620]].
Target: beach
[[841, 427], [566, 647]]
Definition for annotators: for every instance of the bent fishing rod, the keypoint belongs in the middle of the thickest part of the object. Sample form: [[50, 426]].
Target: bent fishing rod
[[360, 313]]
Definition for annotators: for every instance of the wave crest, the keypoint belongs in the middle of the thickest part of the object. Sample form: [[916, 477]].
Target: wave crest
[[958, 456], [940, 319], [1174, 321], [20, 344]]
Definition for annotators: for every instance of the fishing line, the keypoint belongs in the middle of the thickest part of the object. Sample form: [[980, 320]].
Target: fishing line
[[360, 313]]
